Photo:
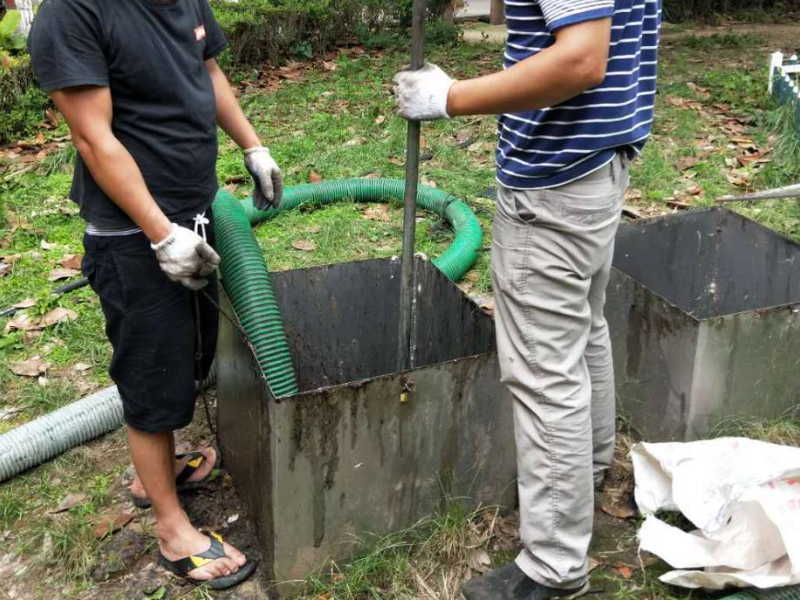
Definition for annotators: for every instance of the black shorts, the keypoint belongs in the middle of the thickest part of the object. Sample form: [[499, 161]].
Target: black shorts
[[150, 322]]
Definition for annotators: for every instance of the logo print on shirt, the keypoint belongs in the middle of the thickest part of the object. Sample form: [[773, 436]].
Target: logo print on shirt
[[200, 33]]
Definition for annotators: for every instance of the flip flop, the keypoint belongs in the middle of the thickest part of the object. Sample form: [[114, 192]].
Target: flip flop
[[182, 483], [183, 566]]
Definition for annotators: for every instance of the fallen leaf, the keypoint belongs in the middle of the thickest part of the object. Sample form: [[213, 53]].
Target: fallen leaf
[[624, 571], [45, 245], [5, 269], [27, 303], [8, 412], [80, 367], [379, 212], [356, 141], [380, 119], [687, 162], [429, 182], [305, 245], [618, 506], [43, 381], [479, 560], [57, 274], [701, 91], [593, 564], [695, 190], [11, 258], [313, 229], [108, 523], [39, 139], [329, 65], [33, 367], [24, 322], [58, 315], [71, 501], [633, 194], [738, 180], [314, 177], [71, 261], [397, 161]]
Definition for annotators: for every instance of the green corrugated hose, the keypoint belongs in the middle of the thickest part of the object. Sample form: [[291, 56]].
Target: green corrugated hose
[[246, 277], [785, 593]]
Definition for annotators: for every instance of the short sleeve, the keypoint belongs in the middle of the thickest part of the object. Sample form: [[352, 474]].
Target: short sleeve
[[560, 13], [66, 45], [215, 37]]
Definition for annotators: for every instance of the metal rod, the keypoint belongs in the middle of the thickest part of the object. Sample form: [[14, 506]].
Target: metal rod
[[410, 213], [791, 191]]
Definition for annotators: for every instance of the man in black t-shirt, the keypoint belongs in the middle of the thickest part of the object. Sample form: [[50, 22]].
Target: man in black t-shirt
[[139, 86]]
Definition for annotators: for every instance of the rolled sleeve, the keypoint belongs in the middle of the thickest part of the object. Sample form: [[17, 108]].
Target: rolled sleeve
[[560, 13]]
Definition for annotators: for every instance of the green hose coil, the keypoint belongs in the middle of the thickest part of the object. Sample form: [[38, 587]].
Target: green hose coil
[[784, 593], [246, 277], [454, 262]]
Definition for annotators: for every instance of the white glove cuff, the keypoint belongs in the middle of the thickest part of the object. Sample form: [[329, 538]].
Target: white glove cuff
[[167, 241], [255, 149], [444, 98]]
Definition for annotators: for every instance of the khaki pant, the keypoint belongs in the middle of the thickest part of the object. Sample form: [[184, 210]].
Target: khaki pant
[[551, 260]]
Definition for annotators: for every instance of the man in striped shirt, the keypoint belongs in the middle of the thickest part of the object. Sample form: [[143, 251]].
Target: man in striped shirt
[[576, 103]]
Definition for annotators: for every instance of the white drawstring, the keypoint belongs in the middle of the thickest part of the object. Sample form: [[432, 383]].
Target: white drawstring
[[200, 222]]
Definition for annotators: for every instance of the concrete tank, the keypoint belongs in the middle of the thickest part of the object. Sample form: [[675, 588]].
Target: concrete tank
[[364, 449]]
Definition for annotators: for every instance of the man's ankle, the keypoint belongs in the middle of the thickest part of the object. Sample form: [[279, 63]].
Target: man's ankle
[[173, 524]]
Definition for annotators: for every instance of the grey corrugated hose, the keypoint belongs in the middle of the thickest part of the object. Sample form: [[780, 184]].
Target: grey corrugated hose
[[48, 436]]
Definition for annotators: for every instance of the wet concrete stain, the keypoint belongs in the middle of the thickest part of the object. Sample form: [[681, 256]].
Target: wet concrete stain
[[315, 436]]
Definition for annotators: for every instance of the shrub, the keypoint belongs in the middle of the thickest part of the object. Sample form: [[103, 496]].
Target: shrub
[[272, 31], [22, 104], [682, 10]]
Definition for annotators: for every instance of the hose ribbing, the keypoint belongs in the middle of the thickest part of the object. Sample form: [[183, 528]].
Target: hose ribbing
[[48, 436]]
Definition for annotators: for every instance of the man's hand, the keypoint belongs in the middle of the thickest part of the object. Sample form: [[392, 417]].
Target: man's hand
[[422, 95], [186, 257], [267, 177]]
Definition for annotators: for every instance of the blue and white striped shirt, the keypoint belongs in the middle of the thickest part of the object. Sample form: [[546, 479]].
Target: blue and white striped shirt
[[554, 146]]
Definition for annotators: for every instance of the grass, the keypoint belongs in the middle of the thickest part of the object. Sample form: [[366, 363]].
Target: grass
[[340, 123]]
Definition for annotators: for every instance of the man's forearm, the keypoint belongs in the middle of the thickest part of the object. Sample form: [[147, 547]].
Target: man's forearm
[[576, 62], [229, 114], [118, 175]]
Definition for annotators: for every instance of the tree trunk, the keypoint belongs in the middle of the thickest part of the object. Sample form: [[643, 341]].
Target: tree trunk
[[497, 14]]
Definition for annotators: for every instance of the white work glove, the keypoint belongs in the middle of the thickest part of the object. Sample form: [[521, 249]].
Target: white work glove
[[267, 177], [422, 95], [186, 257]]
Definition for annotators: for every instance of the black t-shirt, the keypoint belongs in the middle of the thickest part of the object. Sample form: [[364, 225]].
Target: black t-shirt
[[151, 54]]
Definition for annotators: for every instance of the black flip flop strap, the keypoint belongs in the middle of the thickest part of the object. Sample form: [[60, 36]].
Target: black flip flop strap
[[189, 469], [184, 565]]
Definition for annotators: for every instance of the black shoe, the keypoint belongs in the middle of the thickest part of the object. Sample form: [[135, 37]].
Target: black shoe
[[510, 583]]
